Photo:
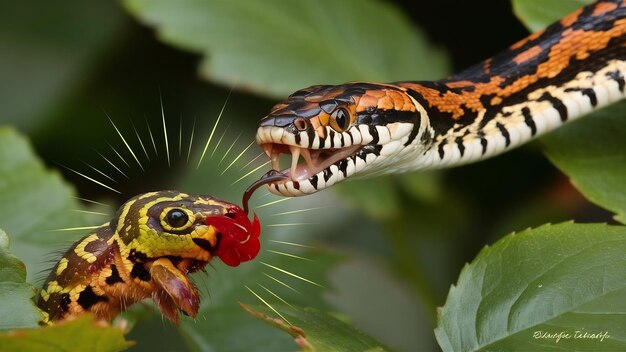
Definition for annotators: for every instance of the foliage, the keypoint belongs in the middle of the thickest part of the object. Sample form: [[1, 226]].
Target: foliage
[[17, 308], [597, 169], [27, 185], [83, 332], [275, 49], [566, 277], [553, 287], [536, 15], [314, 330], [397, 242]]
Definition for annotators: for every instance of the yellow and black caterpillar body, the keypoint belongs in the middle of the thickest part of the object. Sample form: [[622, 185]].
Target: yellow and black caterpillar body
[[147, 251]]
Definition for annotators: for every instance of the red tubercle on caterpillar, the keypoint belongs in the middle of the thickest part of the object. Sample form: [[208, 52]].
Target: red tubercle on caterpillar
[[239, 240]]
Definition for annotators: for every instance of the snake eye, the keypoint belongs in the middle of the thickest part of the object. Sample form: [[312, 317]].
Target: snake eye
[[340, 119], [176, 218]]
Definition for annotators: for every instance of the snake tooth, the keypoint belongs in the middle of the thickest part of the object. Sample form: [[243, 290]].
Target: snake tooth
[[575, 66]]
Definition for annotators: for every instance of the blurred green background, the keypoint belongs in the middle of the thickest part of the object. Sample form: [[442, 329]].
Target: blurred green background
[[387, 249]]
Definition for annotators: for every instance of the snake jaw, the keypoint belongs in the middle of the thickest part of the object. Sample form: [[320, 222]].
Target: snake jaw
[[315, 160], [340, 131], [328, 160]]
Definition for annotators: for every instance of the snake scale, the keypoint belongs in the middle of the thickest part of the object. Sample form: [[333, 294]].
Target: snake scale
[[362, 129], [357, 129]]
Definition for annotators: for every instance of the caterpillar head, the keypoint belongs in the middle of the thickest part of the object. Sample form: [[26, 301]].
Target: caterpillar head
[[174, 224]]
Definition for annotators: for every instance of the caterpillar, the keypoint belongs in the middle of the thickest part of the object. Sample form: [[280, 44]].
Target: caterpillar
[[154, 241]]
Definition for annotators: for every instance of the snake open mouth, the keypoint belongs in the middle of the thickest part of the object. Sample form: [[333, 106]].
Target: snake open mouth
[[315, 160]]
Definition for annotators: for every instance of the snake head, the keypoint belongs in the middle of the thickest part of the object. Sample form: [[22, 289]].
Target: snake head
[[340, 131], [178, 225]]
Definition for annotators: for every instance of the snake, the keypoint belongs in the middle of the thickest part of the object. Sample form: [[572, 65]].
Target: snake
[[149, 248], [364, 129], [358, 129]]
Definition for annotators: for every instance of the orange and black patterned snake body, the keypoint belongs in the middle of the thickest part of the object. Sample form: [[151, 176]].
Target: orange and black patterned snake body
[[359, 129]]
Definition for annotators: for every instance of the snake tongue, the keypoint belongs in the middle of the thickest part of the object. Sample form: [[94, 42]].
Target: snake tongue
[[269, 177]]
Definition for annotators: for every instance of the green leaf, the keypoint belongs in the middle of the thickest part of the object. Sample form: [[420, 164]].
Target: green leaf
[[274, 48], [222, 325], [227, 327], [46, 59], [555, 278], [592, 152], [33, 201], [538, 14], [314, 330], [82, 334], [16, 307]]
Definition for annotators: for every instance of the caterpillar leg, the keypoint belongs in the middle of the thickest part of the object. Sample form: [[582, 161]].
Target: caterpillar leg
[[172, 289]]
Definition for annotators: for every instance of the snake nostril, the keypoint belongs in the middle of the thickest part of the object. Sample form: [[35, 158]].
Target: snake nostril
[[300, 123]]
